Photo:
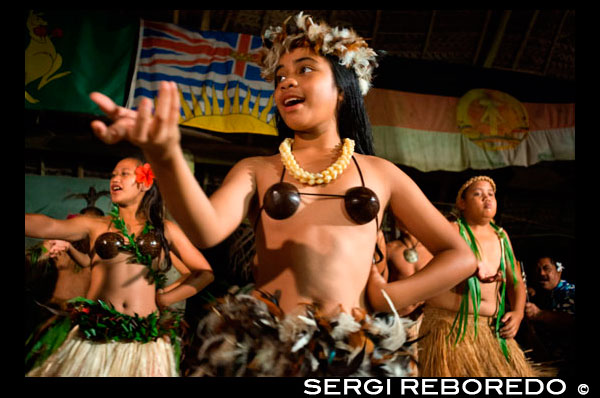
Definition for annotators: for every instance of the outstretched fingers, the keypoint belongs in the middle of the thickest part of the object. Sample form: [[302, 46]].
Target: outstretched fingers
[[152, 131], [143, 122], [167, 111], [113, 133], [175, 114], [124, 119], [110, 108]]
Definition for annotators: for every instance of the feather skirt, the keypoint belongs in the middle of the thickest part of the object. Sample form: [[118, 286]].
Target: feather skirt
[[248, 336], [78, 356], [472, 357]]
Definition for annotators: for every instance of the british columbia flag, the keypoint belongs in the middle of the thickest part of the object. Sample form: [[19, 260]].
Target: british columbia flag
[[221, 63]]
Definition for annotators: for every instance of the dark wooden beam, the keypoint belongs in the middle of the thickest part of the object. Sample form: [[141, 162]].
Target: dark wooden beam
[[556, 37], [484, 29], [205, 25], [489, 60], [525, 39], [227, 20], [429, 32]]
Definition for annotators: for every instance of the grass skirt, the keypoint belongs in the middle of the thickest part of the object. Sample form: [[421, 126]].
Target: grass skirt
[[79, 356], [97, 340], [480, 357], [247, 336]]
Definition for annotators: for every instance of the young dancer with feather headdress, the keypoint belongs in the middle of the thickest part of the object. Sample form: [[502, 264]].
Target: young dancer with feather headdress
[[316, 207]]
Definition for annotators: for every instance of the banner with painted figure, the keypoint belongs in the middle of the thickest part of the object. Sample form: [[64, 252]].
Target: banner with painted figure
[[70, 53], [216, 72], [483, 129]]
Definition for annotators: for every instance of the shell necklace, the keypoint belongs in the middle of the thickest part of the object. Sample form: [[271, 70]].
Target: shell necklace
[[325, 176]]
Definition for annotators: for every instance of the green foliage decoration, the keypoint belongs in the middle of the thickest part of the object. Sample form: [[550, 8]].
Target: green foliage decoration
[[158, 277]]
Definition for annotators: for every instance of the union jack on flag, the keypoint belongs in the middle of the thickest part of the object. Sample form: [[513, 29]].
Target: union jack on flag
[[216, 73]]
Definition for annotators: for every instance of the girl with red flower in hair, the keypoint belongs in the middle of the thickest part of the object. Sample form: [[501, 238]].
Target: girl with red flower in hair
[[125, 307]]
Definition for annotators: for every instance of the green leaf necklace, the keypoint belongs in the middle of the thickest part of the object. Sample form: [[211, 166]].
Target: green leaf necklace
[[473, 288], [159, 278]]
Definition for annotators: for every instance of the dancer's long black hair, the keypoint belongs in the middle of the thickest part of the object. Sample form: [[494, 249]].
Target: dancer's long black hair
[[352, 119], [152, 207]]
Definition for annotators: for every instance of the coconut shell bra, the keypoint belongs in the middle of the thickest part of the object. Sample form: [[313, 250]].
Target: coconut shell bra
[[109, 244], [282, 200]]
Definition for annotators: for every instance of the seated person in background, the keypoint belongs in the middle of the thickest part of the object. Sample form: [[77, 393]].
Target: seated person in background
[[554, 322]]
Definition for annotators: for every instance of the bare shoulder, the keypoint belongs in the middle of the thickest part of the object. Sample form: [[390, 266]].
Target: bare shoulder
[[252, 165], [454, 225], [257, 161], [504, 232], [373, 160], [93, 220], [171, 229], [381, 166], [94, 224]]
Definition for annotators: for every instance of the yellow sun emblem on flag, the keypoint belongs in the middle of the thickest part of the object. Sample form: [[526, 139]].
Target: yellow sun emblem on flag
[[233, 117], [492, 120]]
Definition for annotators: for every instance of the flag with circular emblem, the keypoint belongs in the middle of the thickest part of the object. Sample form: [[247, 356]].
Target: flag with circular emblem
[[483, 129]]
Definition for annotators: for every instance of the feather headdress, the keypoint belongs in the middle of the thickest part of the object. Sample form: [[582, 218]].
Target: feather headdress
[[352, 50]]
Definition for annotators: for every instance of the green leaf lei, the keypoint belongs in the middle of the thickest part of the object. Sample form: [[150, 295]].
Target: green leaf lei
[[99, 321], [157, 276], [473, 287]]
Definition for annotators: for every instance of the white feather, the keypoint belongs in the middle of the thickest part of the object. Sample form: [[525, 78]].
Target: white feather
[[346, 325], [302, 342]]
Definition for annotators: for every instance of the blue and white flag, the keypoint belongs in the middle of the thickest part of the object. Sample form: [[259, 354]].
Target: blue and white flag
[[217, 75]]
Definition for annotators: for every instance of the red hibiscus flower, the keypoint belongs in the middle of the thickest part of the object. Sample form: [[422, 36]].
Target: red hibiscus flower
[[144, 175]]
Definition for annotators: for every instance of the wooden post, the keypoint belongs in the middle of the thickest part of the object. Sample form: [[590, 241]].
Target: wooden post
[[227, 19], [489, 61], [205, 20], [524, 43], [482, 37], [429, 32], [556, 37]]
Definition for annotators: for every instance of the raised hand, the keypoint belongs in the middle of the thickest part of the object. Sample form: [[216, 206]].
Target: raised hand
[[58, 247], [155, 133]]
